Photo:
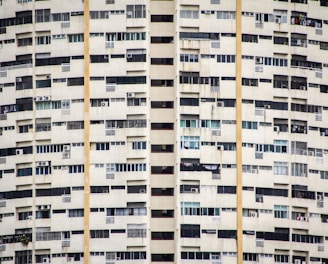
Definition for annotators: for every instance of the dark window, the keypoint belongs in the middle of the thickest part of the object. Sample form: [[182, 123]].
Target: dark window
[[126, 79], [190, 231], [43, 83], [99, 189], [24, 172], [162, 235], [162, 104], [162, 169], [162, 213], [75, 81], [199, 35], [24, 82], [99, 233], [162, 126], [250, 38], [99, 58], [161, 18], [162, 61], [162, 148], [227, 234], [158, 40], [281, 40], [162, 191], [24, 256], [227, 189], [189, 101], [162, 257], [168, 83], [137, 189]]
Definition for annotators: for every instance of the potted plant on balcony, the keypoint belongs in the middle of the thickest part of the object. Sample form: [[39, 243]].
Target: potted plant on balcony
[[24, 239]]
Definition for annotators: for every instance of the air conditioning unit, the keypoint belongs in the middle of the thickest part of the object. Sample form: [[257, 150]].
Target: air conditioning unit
[[311, 153], [221, 103], [142, 190], [129, 55], [41, 98], [19, 152], [302, 87], [66, 148], [277, 20], [253, 214], [304, 219], [195, 190], [104, 104], [29, 217], [37, 99], [207, 12], [131, 95], [297, 261], [45, 260], [276, 128], [254, 171], [47, 98]]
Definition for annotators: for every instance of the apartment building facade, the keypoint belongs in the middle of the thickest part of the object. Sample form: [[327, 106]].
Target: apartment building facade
[[177, 131]]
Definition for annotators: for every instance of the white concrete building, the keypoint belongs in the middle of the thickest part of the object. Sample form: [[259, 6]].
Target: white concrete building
[[150, 131]]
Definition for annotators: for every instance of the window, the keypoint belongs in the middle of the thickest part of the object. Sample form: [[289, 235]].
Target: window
[[99, 58], [299, 169], [139, 145], [161, 18], [280, 168], [281, 211], [227, 189], [250, 82], [137, 230], [158, 40], [227, 234], [24, 256], [136, 55], [226, 15], [121, 36], [223, 58], [60, 17], [189, 101], [162, 235], [136, 11], [250, 38], [42, 15], [24, 42], [281, 258], [99, 14], [189, 142], [162, 257], [76, 38], [137, 189], [193, 14], [189, 57], [162, 213], [162, 191], [43, 40], [249, 125], [24, 172], [250, 257], [75, 213], [99, 233], [76, 169], [162, 61], [162, 126], [25, 215], [190, 231]]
